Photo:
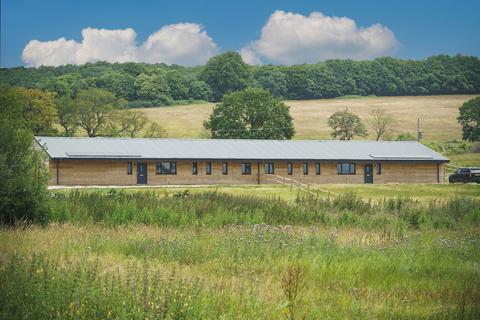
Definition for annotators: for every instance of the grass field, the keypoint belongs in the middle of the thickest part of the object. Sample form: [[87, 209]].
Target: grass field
[[438, 115], [137, 272], [422, 192], [138, 255]]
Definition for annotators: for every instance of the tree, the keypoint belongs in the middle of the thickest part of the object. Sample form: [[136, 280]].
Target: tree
[[381, 123], [154, 130], [271, 79], [94, 109], [67, 115], [126, 123], [225, 73], [346, 125], [199, 90], [469, 119], [177, 84], [250, 114], [38, 110], [23, 174], [152, 88], [120, 84]]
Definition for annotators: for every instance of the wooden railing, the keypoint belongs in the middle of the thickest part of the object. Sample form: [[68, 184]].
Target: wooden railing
[[304, 187]]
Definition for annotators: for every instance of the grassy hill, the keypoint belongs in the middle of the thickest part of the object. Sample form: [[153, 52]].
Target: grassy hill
[[438, 115]]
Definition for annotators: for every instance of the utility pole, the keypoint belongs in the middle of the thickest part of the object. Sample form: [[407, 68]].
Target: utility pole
[[419, 133]]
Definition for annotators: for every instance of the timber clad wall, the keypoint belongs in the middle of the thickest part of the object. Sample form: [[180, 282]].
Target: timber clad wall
[[114, 172]]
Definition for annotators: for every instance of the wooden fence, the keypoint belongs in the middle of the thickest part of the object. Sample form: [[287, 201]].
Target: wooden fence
[[300, 186]]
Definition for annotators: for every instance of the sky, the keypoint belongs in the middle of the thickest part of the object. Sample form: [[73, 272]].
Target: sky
[[56, 32]]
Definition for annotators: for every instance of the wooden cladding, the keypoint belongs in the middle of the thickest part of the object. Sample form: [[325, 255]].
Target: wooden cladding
[[115, 172]]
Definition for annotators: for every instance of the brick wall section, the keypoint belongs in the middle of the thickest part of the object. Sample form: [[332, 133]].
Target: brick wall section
[[114, 172]]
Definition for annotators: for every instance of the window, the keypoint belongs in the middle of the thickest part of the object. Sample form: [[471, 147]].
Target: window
[[208, 168], [224, 168], [289, 168], [129, 168], [346, 168], [379, 168], [195, 168], [305, 168], [166, 168], [246, 168], [317, 168], [269, 168]]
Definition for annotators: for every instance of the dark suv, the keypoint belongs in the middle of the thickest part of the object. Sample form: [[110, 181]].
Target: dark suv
[[465, 175]]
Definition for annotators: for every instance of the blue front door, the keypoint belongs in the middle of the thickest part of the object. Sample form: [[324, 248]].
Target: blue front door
[[368, 173], [141, 173]]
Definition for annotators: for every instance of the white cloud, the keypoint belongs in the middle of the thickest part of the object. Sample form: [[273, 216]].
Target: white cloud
[[183, 43], [291, 38], [249, 56]]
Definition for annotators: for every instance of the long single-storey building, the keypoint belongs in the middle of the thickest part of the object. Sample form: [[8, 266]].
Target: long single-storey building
[[122, 161]]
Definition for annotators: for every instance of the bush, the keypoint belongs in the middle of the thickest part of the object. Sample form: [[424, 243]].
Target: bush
[[475, 148], [23, 174]]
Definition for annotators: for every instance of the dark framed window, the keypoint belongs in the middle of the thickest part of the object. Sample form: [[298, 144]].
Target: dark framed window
[[305, 168], [379, 168], [129, 168], [208, 168], [289, 168], [269, 168], [345, 168], [246, 168], [195, 168], [317, 168], [166, 167], [224, 168]]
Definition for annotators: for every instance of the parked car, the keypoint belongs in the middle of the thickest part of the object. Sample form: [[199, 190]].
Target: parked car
[[465, 175]]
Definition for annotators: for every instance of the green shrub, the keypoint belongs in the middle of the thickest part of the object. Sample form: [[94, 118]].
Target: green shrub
[[118, 207], [23, 174]]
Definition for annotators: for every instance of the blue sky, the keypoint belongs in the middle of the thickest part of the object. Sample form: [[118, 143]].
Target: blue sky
[[196, 30]]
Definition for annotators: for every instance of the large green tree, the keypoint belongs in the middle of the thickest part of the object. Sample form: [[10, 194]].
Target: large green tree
[[126, 123], [94, 109], [225, 73], [23, 174], [250, 114], [271, 79], [346, 125], [152, 88], [469, 119], [120, 84], [178, 85], [199, 90], [67, 115], [38, 110]]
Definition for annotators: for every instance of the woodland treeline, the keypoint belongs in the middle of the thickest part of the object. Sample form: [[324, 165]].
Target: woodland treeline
[[144, 85]]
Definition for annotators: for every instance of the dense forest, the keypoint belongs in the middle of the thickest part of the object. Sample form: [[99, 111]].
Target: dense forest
[[143, 85]]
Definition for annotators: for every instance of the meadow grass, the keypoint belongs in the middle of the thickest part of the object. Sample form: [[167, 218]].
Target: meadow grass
[[214, 208], [420, 192], [237, 272], [465, 160], [310, 116], [158, 254]]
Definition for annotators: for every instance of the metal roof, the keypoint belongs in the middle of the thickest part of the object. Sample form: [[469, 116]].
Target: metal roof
[[235, 149]]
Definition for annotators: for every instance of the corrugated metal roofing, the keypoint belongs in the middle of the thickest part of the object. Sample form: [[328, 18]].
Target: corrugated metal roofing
[[236, 149]]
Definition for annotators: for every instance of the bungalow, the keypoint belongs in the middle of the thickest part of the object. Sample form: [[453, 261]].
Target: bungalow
[[121, 161]]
